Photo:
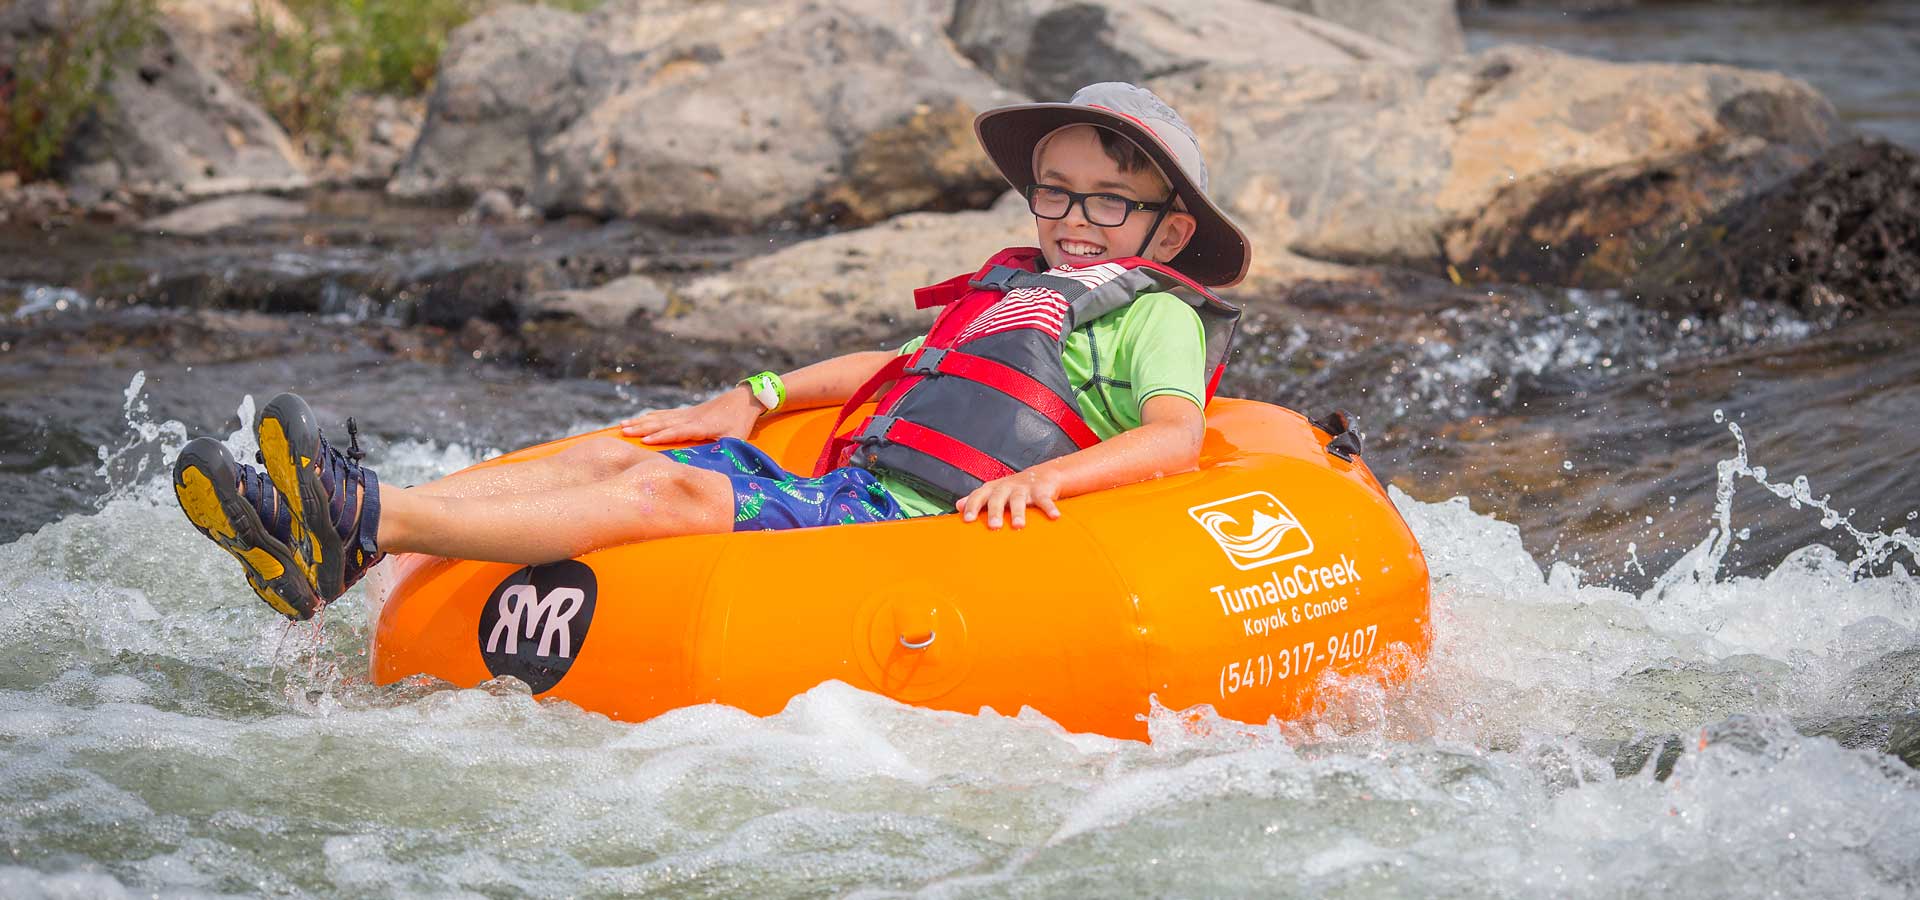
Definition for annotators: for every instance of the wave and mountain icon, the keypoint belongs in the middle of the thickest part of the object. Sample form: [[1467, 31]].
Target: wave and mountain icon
[[1254, 529]]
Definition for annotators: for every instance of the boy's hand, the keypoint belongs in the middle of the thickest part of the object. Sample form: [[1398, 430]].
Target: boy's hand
[[1010, 496], [731, 414]]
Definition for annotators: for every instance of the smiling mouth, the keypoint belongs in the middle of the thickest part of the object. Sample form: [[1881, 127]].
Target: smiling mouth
[[1081, 249]]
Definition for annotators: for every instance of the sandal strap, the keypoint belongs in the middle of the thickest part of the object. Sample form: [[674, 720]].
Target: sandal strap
[[358, 527], [367, 526], [259, 490]]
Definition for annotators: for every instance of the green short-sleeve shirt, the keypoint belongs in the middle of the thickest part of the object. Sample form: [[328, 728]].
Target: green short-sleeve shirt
[[1155, 345]]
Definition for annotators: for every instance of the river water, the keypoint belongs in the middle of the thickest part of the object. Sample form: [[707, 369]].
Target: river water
[[1676, 647], [1713, 735]]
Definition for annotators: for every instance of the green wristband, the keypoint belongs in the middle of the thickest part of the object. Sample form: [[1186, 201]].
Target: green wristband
[[767, 388]]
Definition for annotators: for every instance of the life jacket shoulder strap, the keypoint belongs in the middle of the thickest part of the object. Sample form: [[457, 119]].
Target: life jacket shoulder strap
[[1012, 259]]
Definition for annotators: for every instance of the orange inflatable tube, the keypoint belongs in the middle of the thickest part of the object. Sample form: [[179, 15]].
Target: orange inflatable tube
[[1238, 585]]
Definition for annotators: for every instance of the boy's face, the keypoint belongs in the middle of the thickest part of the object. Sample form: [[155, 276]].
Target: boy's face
[[1074, 160]]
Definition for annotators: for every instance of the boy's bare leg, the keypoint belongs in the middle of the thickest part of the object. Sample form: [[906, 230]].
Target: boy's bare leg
[[652, 499], [591, 460]]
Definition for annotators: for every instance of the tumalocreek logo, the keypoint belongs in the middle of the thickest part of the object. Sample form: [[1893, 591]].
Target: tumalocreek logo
[[536, 621], [1254, 529]]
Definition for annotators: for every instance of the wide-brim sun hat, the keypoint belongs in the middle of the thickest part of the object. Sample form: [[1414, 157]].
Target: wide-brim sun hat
[[1218, 254]]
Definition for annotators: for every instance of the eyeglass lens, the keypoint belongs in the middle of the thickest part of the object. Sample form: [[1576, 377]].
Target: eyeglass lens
[[1104, 210]]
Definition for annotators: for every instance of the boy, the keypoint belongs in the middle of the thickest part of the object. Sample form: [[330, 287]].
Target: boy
[[1080, 367]]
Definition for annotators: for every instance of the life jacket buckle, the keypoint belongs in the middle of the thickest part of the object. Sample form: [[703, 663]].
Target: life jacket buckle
[[875, 431], [926, 362], [997, 278]]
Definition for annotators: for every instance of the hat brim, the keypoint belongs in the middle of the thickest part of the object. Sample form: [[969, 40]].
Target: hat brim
[[1218, 253]]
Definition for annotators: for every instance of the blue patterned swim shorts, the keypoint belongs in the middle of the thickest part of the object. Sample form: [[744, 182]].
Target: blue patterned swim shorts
[[769, 498]]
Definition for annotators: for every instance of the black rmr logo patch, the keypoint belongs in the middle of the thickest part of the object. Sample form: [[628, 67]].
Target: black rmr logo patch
[[536, 621]]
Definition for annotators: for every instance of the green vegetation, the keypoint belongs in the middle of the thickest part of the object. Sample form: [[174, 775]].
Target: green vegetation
[[53, 82], [306, 64], [304, 70]]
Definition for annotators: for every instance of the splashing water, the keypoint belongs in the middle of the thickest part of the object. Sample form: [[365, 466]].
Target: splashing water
[[1875, 548], [126, 468], [1712, 736]]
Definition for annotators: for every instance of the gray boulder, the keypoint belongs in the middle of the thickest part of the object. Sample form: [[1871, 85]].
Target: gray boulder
[[846, 291], [376, 132], [1428, 29], [608, 306], [174, 126], [224, 213], [1382, 163], [1050, 48], [170, 127], [507, 81], [220, 33], [739, 115]]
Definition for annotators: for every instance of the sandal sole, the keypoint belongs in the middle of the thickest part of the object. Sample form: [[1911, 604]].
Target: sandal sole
[[289, 443], [205, 483]]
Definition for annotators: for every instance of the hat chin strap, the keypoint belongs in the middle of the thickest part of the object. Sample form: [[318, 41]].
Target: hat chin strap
[[1154, 229]]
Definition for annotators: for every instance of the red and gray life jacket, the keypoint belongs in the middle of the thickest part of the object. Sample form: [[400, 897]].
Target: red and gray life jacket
[[986, 395]]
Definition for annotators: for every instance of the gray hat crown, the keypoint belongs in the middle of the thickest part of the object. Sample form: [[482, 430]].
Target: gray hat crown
[[1160, 119]]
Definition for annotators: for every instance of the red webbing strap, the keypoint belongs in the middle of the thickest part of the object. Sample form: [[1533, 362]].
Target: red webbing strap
[[1022, 387], [941, 294], [947, 450], [837, 445], [900, 388]]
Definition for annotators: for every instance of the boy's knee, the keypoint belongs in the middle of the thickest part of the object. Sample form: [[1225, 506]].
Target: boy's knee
[[607, 456], [661, 477]]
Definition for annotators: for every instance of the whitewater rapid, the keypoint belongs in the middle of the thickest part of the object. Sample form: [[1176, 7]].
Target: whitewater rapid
[[162, 733]]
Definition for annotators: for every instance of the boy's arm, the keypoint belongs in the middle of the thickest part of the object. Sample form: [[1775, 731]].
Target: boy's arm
[[732, 413], [1167, 442]]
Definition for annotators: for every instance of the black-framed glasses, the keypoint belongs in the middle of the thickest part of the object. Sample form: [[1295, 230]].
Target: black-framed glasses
[[1104, 210]]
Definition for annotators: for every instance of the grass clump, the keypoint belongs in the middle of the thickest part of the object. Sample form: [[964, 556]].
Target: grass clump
[[307, 64], [55, 81]]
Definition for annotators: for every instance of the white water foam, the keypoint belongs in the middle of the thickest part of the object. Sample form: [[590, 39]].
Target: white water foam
[[164, 735]]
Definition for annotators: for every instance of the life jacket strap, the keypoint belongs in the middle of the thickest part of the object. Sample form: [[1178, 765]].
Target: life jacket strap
[[1007, 380], [938, 445], [835, 453], [942, 294]]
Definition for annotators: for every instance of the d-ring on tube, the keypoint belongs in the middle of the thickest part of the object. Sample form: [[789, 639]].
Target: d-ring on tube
[[921, 645]]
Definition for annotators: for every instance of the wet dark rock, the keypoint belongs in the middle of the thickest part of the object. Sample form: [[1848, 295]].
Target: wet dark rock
[[488, 292], [642, 354], [244, 288], [1631, 758], [1839, 237], [1896, 734], [1597, 229], [1887, 684], [1903, 738]]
